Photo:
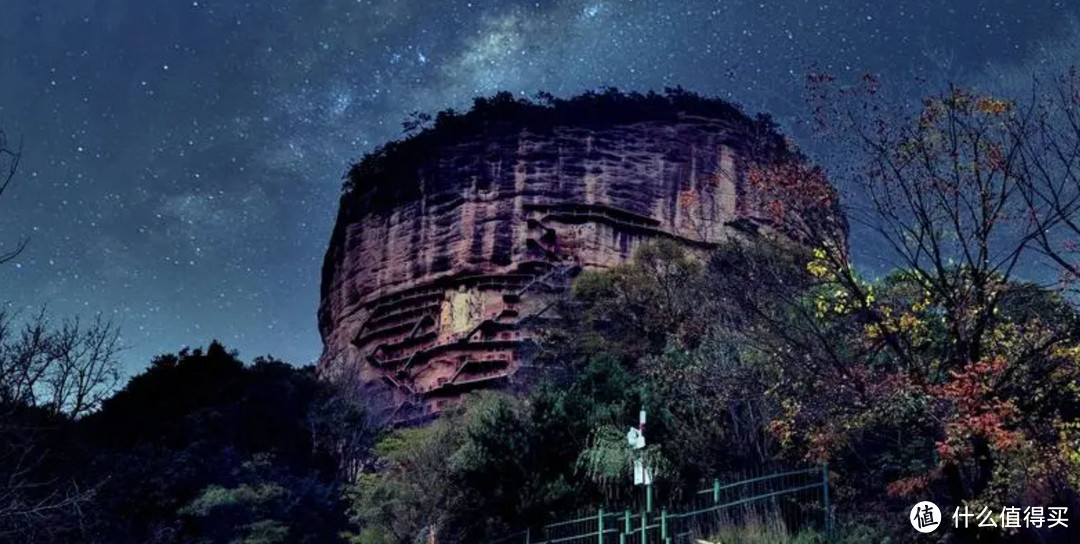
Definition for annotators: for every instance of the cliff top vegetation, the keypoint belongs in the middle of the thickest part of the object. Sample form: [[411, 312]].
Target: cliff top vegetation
[[504, 114]]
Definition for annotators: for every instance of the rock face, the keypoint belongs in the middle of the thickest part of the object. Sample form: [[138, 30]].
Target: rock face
[[442, 256]]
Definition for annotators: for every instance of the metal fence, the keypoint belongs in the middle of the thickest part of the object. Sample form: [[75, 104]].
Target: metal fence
[[800, 497]]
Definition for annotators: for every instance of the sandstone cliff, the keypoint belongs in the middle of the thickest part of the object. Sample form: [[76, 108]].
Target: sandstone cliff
[[446, 245]]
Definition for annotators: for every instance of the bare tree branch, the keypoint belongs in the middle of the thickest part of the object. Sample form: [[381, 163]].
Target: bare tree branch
[[9, 164], [50, 375]]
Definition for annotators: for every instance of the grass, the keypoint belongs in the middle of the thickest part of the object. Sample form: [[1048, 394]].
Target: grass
[[766, 526], [755, 526]]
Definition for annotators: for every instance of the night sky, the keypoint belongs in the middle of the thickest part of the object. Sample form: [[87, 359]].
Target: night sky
[[183, 159]]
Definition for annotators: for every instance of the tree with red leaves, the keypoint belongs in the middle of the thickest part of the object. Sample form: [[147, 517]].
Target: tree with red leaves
[[953, 377]]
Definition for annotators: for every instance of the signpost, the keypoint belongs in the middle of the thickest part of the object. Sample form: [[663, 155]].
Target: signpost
[[642, 471]]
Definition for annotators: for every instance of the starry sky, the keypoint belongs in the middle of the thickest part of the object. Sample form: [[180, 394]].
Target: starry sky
[[183, 158]]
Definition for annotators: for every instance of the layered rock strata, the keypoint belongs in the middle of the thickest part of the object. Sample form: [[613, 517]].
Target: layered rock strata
[[437, 266]]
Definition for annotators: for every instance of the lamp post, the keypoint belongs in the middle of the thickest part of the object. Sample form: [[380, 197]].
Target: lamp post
[[642, 472]]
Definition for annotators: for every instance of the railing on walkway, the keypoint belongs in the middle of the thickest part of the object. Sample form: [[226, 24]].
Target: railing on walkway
[[800, 497]]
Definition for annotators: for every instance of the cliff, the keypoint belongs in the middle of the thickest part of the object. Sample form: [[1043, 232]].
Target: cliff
[[449, 243]]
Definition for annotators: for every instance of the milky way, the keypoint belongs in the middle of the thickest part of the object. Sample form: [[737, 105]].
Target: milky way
[[183, 159]]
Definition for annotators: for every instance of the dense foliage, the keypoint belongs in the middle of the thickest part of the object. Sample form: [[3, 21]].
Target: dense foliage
[[197, 448], [230, 450]]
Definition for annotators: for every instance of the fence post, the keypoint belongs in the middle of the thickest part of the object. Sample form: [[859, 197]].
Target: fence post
[[716, 491], [627, 529], [600, 525], [644, 529], [528, 535], [825, 488], [648, 497], [663, 524]]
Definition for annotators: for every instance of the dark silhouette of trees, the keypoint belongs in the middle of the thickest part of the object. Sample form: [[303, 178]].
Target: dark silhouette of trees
[[202, 446], [67, 369], [50, 376], [199, 447]]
